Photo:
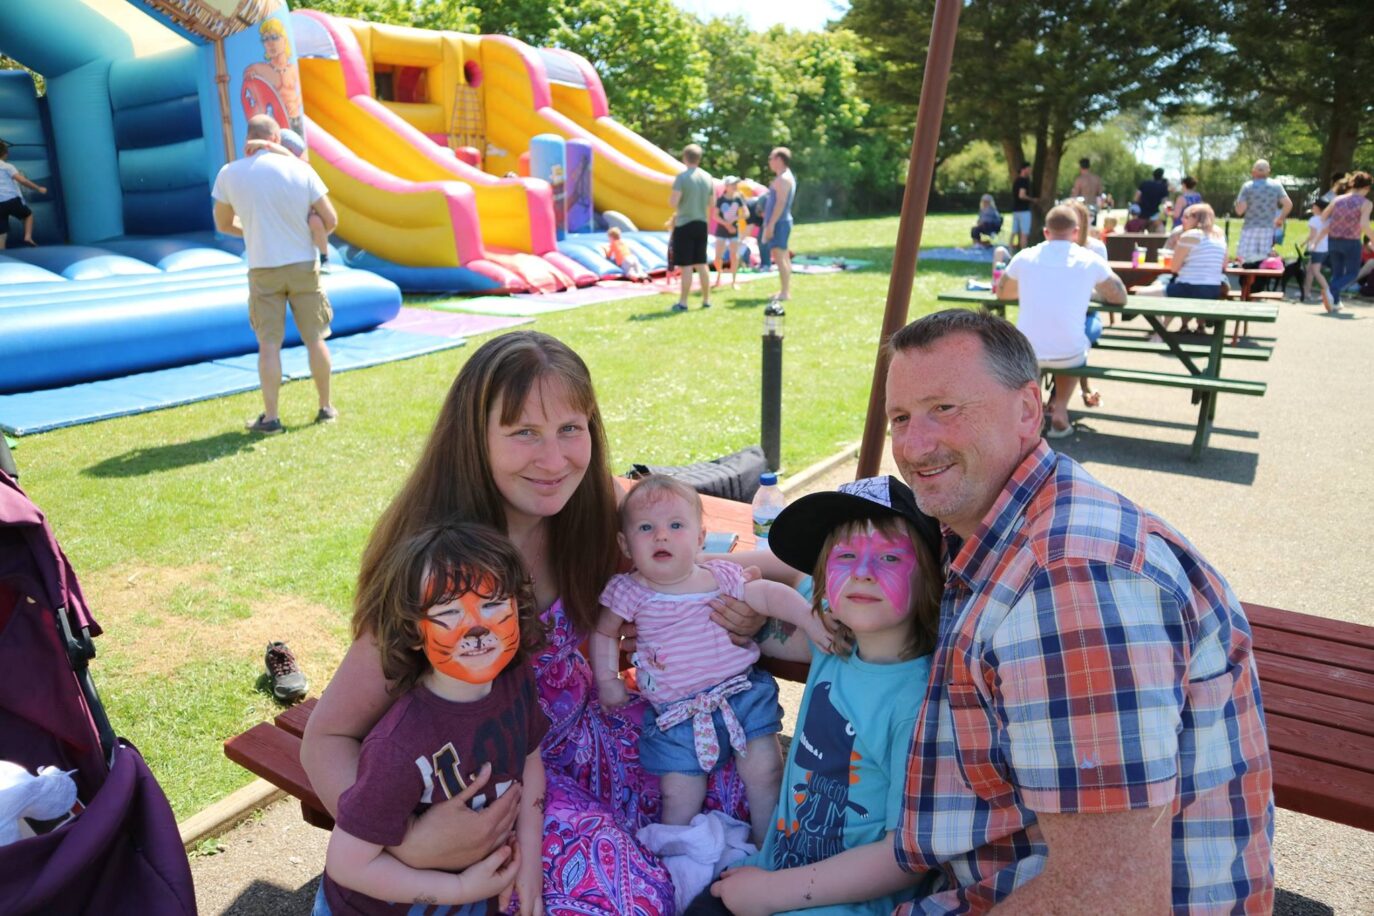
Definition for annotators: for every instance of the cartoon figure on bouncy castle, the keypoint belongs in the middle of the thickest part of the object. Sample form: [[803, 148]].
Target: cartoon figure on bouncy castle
[[274, 87]]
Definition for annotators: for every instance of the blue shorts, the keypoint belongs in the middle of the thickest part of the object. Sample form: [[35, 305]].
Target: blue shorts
[[1020, 223], [782, 231], [1317, 257], [674, 751]]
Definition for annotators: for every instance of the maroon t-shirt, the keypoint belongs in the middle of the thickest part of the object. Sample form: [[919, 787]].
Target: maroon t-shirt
[[423, 751]]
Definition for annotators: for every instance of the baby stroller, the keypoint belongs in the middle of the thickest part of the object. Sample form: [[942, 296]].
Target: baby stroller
[[121, 853]]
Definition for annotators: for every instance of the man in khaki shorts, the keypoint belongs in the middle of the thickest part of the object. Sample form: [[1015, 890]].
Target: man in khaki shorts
[[273, 197]]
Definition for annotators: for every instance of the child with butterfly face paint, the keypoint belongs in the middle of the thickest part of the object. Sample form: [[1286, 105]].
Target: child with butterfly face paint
[[453, 618], [873, 557], [708, 701]]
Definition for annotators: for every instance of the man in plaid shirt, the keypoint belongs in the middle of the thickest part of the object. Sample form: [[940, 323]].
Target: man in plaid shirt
[[1093, 737]]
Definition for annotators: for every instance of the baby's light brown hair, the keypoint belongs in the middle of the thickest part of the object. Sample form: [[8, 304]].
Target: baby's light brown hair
[[656, 487]]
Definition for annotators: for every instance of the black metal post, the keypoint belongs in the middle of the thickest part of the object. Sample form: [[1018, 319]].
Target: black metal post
[[770, 434]]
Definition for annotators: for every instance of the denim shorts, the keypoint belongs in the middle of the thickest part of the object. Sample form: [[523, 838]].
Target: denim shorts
[[1317, 257], [782, 231], [674, 751], [1020, 222]]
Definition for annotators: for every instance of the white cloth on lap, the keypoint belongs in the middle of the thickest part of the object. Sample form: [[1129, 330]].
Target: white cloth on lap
[[696, 854]]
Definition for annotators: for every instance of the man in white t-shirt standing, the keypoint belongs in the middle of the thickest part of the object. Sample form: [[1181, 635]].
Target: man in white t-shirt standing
[[1054, 282], [273, 197]]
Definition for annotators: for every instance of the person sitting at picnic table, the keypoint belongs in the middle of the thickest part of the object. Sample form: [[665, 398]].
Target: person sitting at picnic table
[[989, 221], [1053, 283], [1135, 222], [1265, 204], [519, 446], [1199, 261]]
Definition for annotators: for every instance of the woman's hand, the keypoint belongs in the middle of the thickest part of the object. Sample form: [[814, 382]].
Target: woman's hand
[[451, 836], [741, 622], [745, 891]]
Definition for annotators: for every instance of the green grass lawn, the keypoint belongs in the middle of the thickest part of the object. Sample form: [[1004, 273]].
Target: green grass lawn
[[197, 543]]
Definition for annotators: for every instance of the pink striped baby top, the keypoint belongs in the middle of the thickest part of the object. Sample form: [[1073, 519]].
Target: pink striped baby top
[[680, 650]]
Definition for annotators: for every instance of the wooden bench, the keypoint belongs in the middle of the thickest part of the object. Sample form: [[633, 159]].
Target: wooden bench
[[1145, 345], [1316, 675], [1164, 379]]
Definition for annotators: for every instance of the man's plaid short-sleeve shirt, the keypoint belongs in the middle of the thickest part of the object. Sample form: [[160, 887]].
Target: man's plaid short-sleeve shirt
[[1089, 661]]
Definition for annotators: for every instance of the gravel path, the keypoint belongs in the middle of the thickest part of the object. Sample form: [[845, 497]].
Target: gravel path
[[1277, 504]]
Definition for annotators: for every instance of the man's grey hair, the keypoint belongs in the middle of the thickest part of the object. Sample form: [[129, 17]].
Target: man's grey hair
[[263, 127], [1261, 165], [1006, 351]]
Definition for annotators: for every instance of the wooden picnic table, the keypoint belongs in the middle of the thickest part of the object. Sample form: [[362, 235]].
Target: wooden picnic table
[[1316, 679], [1205, 381]]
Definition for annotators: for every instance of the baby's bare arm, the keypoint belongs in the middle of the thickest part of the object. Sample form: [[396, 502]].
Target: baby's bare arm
[[786, 605]]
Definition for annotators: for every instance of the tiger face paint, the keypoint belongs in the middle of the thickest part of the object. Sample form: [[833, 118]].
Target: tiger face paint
[[473, 637]]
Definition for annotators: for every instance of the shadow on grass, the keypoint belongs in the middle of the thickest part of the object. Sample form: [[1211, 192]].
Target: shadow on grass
[[751, 303], [141, 461]]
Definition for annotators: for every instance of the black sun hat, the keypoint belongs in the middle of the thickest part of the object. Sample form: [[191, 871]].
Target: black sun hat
[[800, 530]]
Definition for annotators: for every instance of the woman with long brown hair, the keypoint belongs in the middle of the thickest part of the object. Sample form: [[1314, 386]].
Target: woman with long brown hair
[[519, 445]]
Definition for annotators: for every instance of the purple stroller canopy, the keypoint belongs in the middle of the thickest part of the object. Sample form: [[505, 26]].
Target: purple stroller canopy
[[123, 853]]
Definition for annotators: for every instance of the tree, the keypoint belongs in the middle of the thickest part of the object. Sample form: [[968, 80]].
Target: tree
[[749, 105], [1314, 59], [424, 14], [649, 59], [1043, 72]]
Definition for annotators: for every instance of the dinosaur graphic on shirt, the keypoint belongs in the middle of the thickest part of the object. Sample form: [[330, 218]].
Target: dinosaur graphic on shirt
[[825, 748]]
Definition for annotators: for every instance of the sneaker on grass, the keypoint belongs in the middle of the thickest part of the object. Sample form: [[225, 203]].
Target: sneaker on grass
[[288, 683], [327, 415], [264, 426]]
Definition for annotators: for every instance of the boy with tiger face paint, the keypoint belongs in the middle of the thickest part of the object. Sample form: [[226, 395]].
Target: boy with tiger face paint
[[454, 618]]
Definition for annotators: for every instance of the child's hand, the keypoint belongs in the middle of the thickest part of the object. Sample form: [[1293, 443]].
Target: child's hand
[[494, 876], [744, 891], [817, 632], [613, 693]]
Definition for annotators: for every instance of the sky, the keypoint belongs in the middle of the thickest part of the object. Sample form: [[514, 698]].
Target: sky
[[760, 14]]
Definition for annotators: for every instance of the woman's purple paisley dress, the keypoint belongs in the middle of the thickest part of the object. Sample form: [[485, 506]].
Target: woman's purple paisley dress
[[598, 795]]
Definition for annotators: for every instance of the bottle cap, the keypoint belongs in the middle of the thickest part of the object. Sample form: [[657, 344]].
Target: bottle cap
[[768, 479]]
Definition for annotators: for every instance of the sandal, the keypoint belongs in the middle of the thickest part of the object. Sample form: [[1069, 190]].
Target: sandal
[[1092, 399]]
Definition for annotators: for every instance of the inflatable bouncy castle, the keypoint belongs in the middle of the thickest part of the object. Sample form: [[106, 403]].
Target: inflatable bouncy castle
[[457, 162]]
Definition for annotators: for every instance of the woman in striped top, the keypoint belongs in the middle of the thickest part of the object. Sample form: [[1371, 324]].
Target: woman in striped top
[[1347, 218], [1199, 258]]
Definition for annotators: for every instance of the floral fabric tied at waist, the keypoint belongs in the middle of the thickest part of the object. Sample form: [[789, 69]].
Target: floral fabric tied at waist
[[699, 709]]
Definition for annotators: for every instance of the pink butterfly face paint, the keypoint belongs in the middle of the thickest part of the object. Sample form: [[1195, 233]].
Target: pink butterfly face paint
[[868, 568]]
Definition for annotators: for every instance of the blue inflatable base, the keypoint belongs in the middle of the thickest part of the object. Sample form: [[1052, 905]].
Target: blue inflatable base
[[586, 249], [77, 313], [54, 408]]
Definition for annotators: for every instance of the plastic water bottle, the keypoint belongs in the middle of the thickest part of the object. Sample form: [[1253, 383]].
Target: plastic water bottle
[[768, 502], [998, 268]]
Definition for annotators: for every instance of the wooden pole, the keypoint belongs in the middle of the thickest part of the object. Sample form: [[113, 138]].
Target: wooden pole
[[920, 170], [225, 113]]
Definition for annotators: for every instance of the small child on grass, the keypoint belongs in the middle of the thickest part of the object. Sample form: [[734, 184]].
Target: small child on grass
[[454, 618], [706, 699]]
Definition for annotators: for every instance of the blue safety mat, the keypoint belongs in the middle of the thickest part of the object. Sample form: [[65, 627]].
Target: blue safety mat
[[54, 408]]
